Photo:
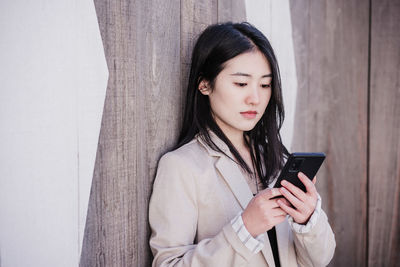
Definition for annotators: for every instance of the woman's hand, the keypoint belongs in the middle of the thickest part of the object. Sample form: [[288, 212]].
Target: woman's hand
[[262, 213], [303, 203]]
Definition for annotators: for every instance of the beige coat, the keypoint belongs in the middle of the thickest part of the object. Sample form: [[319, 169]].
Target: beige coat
[[196, 193]]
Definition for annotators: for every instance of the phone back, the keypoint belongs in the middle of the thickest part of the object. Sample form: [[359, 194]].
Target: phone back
[[307, 163]]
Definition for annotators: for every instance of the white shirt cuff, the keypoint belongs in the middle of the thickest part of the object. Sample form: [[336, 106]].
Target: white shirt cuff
[[305, 228], [253, 244]]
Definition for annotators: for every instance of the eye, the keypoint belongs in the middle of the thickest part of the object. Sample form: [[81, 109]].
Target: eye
[[266, 85], [241, 84]]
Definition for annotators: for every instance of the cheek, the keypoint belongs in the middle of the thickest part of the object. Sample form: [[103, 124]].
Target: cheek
[[226, 97], [267, 97], [219, 103]]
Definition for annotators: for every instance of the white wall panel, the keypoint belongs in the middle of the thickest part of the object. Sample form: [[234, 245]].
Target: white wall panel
[[53, 78], [273, 19]]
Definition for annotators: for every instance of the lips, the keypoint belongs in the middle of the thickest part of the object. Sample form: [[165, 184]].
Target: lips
[[250, 114]]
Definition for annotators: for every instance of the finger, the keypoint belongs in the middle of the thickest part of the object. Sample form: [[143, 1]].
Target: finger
[[269, 193], [314, 180], [291, 198], [278, 212], [285, 201], [310, 187], [272, 203], [294, 190], [289, 210]]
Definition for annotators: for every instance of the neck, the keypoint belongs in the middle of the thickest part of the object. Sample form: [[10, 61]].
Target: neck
[[236, 138], [237, 141], [234, 135]]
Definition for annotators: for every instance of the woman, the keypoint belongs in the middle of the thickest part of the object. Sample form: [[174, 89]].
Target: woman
[[213, 203]]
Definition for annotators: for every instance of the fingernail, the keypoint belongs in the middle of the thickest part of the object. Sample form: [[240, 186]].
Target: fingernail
[[284, 182]]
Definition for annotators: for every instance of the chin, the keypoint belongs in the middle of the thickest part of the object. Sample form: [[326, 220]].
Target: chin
[[248, 127]]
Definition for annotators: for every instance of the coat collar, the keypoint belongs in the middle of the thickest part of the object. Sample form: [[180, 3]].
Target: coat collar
[[217, 141], [233, 176], [229, 170]]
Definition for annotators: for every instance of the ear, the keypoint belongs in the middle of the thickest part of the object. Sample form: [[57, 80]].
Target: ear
[[204, 87]]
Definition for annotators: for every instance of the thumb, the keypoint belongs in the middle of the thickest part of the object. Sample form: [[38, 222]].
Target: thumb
[[314, 180]]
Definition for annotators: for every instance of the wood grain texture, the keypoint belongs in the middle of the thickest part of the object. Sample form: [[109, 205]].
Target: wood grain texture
[[142, 45], [195, 17], [148, 48], [384, 163], [331, 51], [231, 10]]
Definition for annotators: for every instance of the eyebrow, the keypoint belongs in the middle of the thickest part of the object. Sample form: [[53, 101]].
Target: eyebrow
[[248, 75]]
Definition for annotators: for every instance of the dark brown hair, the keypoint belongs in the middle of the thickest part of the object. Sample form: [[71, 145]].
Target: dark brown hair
[[217, 44]]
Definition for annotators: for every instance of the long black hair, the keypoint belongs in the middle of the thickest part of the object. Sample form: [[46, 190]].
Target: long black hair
[[217, 44]]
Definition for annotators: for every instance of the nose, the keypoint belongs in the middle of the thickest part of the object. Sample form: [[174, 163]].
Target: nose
[[253, 97]]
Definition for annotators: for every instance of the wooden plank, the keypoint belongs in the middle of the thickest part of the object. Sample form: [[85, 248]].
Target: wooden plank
[[195, 17], [231, 10], [384, 163], [331, 50], [142, 46]]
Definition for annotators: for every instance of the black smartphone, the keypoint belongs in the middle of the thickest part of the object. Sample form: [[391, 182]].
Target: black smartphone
[[307, 163]]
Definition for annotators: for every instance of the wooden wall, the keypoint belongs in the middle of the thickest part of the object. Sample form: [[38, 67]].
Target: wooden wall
[[384, 136], [347, 59], [140, 39], [147, 45], [348, 88]]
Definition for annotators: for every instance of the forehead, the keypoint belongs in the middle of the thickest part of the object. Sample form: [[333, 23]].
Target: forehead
[[252, 62]]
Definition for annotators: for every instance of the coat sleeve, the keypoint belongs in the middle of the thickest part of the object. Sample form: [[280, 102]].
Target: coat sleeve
[[173, 221], [317, 246]]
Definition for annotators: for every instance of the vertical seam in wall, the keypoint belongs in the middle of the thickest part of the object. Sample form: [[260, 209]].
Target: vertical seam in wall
[[270, 21], [180, 56], [308, 67], [368, 126], [78, 174], [217, 11], [181, 62]]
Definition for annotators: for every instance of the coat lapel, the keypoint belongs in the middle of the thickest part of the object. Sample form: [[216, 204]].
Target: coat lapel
[[283, 239], [229, 170], [267, 252], [231, 173], [234, 178], [282, 236]]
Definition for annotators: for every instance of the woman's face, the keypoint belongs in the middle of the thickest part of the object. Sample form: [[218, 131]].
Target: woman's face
[[241, 93]]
